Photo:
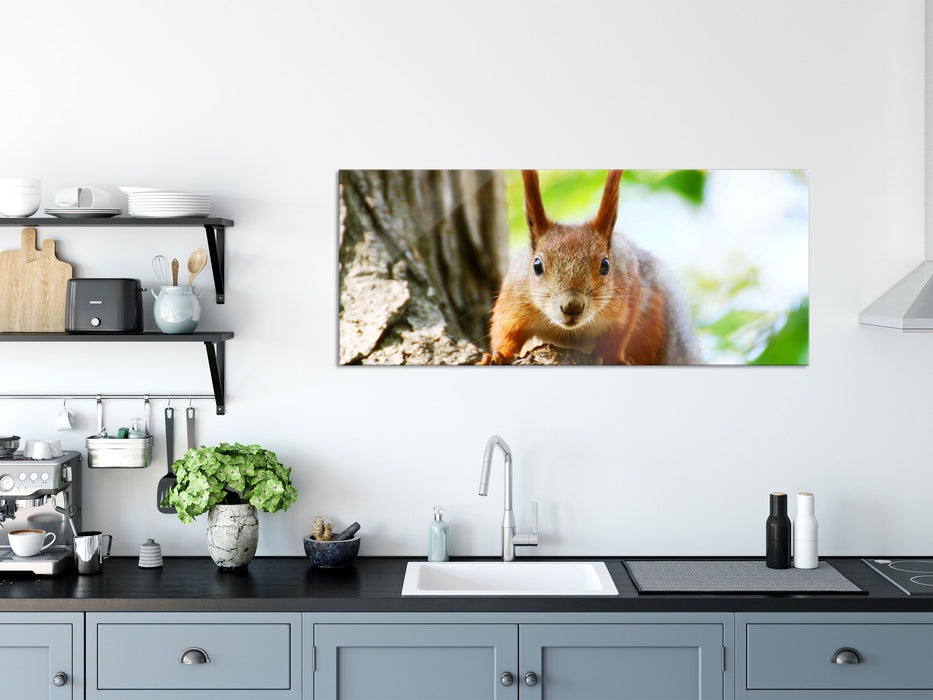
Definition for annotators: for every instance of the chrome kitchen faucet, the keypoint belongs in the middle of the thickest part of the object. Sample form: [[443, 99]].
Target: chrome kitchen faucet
[[510, 540]]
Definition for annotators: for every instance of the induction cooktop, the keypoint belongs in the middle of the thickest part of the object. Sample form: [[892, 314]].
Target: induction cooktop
[[913, 576]]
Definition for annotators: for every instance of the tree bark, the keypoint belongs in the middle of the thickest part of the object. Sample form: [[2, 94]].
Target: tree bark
[[422, 255]]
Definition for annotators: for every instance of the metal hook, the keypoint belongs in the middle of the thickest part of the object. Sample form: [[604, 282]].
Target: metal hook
[[169, 402], [189, 400]]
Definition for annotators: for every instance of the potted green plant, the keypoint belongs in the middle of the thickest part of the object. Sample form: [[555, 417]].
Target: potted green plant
[[229, 482]]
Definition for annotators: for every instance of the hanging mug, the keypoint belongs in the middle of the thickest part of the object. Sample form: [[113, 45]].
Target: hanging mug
[[65, 419], [177, 309]]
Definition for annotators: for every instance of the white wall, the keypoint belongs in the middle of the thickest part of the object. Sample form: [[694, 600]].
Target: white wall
[[259, 104]]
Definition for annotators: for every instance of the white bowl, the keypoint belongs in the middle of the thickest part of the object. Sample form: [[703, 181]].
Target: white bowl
[[19, 204], [20, 182], [16, 189]]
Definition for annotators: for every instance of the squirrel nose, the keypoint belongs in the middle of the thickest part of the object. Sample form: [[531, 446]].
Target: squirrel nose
[[573, 306]]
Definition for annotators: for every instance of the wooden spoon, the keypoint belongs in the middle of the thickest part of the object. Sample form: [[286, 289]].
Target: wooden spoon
[[174, 272], [196, 263]]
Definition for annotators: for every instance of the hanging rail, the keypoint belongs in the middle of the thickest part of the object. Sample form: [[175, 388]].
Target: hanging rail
[[138, 397]]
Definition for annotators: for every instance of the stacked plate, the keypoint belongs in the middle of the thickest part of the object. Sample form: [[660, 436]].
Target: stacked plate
[[149, 203], [82, 213]]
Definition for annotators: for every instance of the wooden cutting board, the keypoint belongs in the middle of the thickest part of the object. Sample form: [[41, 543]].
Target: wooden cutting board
[[33, 286]]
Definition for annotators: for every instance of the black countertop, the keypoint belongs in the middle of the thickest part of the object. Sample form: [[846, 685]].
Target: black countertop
[[290, 584]]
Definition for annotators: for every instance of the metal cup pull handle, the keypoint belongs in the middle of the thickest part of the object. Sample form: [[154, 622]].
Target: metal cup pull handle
[[109, 546], [194, 655], [847, 655]]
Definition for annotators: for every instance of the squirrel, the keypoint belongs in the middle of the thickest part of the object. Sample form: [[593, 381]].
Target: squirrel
[[584, 287]]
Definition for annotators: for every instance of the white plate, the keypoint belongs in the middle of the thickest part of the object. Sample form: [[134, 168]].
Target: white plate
[[193, 207], [134, 190], [156, 195], [81, 213], [167, 205], [158, 202], [169, 215], [84, 209], [171, 202]]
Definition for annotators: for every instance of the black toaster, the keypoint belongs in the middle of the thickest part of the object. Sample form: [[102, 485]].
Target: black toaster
[[104, 305]]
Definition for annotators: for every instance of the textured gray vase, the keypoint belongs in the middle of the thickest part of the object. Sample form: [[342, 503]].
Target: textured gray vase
[[232, 535]]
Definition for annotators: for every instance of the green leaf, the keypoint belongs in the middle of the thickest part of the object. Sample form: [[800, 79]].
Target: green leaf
[[790, 344], [228, 473]]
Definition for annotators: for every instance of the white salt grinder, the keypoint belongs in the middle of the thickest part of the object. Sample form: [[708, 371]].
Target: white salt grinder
[[805, 534]]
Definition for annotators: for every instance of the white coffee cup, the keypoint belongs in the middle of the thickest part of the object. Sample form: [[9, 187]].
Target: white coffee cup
[[28, 543], [65, 420], [37, 449], [82, 197]]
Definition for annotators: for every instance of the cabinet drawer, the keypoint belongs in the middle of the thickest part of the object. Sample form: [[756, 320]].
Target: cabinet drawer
[[146, 656], [799, 656]]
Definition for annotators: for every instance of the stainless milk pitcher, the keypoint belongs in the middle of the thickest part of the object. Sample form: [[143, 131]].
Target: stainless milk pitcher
[[89, 551]]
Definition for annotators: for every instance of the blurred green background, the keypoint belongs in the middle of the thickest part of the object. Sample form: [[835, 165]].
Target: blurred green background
[[737, 240]]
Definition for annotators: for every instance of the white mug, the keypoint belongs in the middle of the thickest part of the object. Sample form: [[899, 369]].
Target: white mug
[[28, 543], [64, 420], [82, 197]]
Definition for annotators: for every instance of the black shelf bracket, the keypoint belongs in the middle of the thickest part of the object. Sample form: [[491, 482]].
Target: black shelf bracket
[[215, 361], [215, 248]]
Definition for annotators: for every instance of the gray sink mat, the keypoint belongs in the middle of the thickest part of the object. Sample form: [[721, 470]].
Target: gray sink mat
[[743, 576]]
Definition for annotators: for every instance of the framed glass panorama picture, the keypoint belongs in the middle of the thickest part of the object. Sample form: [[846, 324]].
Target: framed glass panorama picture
[[574, 267]]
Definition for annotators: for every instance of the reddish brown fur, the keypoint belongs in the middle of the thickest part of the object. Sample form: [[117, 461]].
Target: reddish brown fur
[[605, 220], [626, 329], [534, 213]]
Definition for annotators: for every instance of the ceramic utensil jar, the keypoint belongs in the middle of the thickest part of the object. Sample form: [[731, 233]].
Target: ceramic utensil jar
[[177, 309]]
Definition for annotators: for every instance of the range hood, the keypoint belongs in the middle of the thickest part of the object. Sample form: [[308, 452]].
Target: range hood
[[908, 306]]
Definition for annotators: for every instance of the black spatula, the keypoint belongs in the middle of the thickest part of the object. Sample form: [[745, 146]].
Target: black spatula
[[168, 481]]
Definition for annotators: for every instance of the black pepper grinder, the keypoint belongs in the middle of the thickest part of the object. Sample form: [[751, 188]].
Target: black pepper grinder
[[777, 551]]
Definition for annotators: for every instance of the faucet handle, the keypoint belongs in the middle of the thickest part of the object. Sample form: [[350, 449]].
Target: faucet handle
[[529, 539]]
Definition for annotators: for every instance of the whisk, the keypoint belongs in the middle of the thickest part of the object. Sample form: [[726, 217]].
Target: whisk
[[161, 270]]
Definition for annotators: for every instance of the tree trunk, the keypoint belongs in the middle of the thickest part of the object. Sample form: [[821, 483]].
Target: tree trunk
[[422, 254]]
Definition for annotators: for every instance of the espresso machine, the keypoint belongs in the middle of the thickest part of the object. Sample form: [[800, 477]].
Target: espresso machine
[[40, 494]]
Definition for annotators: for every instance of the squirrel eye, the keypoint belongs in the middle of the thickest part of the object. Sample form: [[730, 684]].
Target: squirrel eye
[[538, 267], [604, 267]]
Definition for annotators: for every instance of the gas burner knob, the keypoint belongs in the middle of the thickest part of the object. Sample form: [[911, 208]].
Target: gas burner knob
[[33, 477], [7, 483]]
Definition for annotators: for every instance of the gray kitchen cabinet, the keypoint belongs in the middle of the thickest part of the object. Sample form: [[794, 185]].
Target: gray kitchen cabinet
[[515, 656], [42, 655], [637, 661], [835, 656], [414, 661], [208, 656]]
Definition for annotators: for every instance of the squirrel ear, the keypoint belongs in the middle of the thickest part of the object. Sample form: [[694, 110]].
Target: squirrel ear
[[605, 221], [535, 215]]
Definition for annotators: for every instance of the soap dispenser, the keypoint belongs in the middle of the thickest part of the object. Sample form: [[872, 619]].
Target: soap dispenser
[[437, 537]]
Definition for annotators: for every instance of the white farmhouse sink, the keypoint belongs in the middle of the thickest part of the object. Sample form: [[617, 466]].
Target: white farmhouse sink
[[496, 578]]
